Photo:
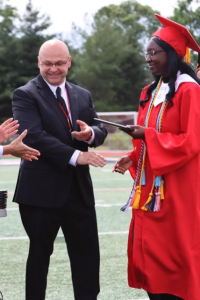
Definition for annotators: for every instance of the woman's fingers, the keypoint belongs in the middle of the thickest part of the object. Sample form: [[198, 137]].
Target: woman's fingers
[[4, 124], [8, 128], [19, 149], [22, 135], [29, 157]]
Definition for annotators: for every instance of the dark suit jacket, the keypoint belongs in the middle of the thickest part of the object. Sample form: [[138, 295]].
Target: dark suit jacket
[[47, 182]]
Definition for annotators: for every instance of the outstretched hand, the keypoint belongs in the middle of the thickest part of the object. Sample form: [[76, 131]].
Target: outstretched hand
[[91, 158], [85, 132], [136, 131], [19, 149], [8, 129], [122, 165]]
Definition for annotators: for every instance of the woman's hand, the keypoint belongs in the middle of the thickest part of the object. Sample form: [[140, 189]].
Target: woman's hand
[[122, 165], [8, 129], [19, 149], [136, 131]]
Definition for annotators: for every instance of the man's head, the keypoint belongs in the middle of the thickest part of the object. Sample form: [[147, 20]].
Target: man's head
[[54, 61]]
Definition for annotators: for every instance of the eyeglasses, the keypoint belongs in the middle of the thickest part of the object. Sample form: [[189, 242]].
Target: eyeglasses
[[58, 64], [152, 53]]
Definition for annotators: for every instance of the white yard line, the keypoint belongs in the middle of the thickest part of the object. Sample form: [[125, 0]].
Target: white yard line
[[61, 235], [10, 162], [96, 205], [95, 190]]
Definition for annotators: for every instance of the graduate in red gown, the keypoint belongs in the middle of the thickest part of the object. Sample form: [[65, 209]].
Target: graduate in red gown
[[164, 235]]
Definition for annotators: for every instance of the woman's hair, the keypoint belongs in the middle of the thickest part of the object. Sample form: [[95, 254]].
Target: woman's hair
[[175, 64], [198, 58], [198, 61]]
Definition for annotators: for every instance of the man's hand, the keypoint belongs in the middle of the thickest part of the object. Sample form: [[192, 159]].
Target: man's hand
[[85, 132], [8, 129], [19, 149], [91, 158], [123, 164]]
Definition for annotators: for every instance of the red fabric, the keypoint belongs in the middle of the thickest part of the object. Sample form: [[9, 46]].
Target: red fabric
[[164, 246], [134, 166]]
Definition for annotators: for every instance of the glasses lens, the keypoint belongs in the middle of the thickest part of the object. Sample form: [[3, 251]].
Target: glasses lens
[[47, 64], [150, 54]]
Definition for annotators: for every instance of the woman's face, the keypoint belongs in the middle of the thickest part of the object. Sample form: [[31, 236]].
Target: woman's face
[[198, 74], [157, 59]]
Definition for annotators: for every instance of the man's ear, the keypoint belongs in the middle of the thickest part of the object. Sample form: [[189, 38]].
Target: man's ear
[[69, 62], [38, 62]]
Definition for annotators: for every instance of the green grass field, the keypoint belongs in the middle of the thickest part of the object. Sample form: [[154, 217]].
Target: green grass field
[[111, 192]]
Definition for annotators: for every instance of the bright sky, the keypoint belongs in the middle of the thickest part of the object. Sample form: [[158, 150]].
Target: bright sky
[[65, 12]]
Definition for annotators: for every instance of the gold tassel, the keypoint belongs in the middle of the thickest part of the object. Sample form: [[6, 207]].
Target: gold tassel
[[137, 197], [187, 58], [162, 196], [148, 200]]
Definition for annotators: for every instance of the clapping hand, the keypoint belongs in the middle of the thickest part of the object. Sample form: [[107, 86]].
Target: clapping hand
[[8, 129], [19, 149]]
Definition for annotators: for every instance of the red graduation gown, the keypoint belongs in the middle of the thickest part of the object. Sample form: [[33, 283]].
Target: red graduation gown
[[164, 246]]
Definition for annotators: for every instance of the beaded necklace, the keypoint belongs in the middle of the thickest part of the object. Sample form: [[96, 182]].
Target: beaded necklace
[[156, 194]]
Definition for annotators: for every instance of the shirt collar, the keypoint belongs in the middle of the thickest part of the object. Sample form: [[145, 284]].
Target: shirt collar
[[54, 87]]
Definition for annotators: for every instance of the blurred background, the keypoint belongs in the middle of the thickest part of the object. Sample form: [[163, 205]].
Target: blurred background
[[107, 40]]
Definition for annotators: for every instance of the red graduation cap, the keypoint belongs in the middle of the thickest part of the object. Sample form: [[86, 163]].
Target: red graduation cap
[[176, 35]]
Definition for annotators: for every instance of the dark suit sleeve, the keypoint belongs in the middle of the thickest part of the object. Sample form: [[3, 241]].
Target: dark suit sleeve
[[26, 111]]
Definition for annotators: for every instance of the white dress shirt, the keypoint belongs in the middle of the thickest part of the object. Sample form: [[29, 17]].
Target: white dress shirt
[[1, 151], [73, 159]]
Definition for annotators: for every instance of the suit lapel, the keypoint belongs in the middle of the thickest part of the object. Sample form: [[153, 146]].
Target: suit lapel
[[46, 93], [73, 100]]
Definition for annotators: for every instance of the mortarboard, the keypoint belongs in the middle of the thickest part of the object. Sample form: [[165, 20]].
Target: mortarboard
[[176, 35]]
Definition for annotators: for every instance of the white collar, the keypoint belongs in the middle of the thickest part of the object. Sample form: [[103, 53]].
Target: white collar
[[164, 88], [183, 78], [54, 87]]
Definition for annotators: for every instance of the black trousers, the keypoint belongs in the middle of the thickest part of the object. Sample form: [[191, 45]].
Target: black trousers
[[79, 226], [163, 297]]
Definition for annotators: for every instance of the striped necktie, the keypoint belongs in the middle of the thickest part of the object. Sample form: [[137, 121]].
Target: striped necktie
[[63, 106]]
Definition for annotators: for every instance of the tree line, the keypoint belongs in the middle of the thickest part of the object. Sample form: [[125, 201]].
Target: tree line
[[108, 61]]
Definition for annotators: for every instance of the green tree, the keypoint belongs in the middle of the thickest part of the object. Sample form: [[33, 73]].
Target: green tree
[[32, 36], [8, 16], [19, 50], [187, 13], [111, 62]]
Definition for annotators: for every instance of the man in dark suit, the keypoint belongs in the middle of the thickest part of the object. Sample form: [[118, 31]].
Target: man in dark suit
[[56, 191]]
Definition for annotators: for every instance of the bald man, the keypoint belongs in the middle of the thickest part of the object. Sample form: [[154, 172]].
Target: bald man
[[56, 191]]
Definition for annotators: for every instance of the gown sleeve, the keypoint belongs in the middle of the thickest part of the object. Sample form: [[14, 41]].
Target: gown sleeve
[[168, 151]]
